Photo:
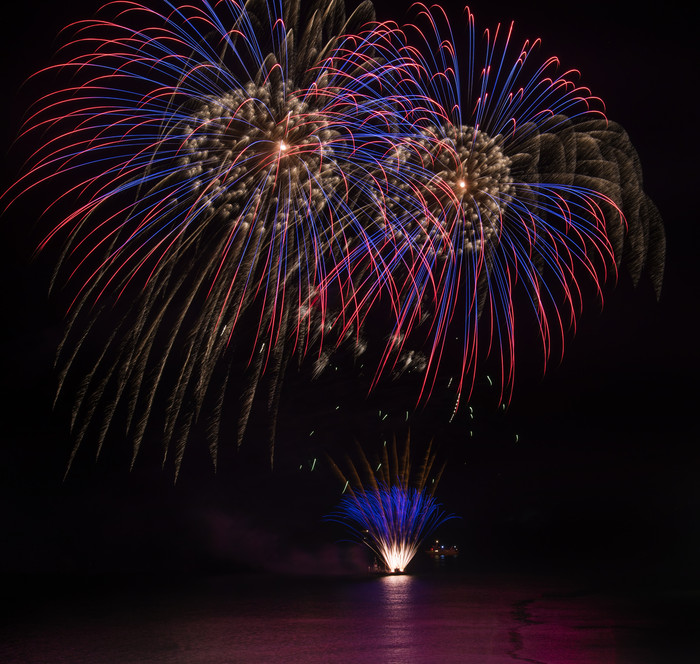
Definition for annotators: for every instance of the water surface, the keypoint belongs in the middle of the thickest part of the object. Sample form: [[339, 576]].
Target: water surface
[[423, 618]]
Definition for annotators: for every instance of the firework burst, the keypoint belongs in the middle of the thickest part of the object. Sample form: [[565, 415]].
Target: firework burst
[[225, 164], [244, 184], [521, 187], [393, 510]]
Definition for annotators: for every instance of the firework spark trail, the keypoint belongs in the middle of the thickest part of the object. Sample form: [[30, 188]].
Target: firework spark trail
[[228, 163], [247, 183], [393, 509], [521, 185]]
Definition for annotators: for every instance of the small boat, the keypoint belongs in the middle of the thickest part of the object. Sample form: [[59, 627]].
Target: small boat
[[438, 550]]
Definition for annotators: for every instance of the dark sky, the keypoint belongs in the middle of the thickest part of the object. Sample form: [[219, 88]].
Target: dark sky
[[606, 461]]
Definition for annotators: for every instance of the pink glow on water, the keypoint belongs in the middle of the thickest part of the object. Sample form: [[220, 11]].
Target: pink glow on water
[[392, 619]]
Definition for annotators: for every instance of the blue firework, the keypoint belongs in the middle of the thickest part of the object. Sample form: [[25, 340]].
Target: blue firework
[[390, 507], [393, 521]]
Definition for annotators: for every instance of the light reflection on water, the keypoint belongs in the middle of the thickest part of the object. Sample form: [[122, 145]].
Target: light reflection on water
[[393, 619], [394, 638]]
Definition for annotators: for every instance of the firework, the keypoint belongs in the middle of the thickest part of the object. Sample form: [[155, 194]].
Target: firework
[[521, 187], [244, 184], [223, 167], [393, 510]]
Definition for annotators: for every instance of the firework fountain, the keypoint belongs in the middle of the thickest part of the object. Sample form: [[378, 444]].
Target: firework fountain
[[392, 510]]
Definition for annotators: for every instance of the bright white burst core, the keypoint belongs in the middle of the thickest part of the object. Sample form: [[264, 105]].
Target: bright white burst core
[[397, 557]]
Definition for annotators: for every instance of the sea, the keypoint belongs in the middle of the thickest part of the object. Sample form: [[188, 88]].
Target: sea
[[436, 616]]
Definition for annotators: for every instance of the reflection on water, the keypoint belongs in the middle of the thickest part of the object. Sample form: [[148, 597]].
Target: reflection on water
[[439, 617], [397, 618]]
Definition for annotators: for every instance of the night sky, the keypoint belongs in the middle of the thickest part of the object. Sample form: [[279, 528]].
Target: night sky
[[593, 466]]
